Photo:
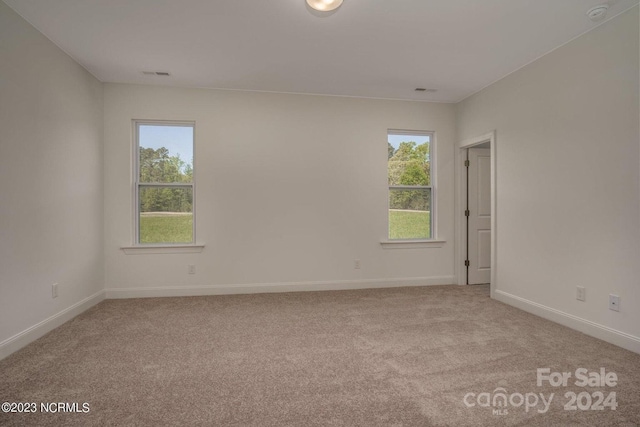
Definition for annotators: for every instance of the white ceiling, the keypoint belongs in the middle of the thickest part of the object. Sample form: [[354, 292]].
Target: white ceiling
[[368, 48]]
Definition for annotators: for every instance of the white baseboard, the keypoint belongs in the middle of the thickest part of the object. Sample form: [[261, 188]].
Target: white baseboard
[[256, 288], [16, 342], [615, 337]]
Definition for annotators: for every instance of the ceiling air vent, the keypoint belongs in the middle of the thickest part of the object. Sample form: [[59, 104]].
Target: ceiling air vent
[[156, 73], [421, 89]]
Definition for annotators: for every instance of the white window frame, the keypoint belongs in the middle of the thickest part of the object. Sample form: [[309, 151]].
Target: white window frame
[[137, 185], [432, 178]]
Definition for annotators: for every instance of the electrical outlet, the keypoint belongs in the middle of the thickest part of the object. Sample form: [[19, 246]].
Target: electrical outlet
[[54, 290], [614, 302], [580, 293], [191, 269], [356, 264]]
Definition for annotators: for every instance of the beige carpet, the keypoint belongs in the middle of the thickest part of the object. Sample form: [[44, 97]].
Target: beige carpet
[[386, 357]]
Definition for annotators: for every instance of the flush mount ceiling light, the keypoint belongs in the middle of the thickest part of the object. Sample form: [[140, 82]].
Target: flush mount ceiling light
[[324, 5], [598, 13]]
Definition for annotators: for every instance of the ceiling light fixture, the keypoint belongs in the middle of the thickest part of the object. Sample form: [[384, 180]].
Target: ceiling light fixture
[[324, 5]]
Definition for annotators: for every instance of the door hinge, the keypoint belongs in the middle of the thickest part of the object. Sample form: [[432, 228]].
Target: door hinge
[[467, 163], [466, 263], [467, 212]]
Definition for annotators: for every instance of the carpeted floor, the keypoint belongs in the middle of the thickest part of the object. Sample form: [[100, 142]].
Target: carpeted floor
[[384, 357]]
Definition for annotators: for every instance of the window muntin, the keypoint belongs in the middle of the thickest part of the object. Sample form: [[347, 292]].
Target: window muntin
[[164, 188], [409, 168]]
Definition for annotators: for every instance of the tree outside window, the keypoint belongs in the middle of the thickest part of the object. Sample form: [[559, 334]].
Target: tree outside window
[[410, 185], [164, 184]]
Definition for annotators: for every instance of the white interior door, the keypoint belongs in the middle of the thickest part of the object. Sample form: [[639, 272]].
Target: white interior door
[[479, 239]]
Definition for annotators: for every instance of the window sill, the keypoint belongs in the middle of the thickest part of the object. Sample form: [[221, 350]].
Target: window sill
[[162, 249], [412, 244]]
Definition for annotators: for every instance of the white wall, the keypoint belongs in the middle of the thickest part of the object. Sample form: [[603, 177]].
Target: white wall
[[290, 189], [51, 209], [568, 180]]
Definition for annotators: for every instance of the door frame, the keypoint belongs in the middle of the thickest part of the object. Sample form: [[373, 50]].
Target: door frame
[[461, 187]]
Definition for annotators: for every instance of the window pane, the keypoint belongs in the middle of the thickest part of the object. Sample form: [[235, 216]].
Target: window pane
[[166, 153], [410, 214], [166, 215], [409, 160]]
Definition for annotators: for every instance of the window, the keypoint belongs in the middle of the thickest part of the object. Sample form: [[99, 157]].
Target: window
[[411, 188], [164, 187]]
